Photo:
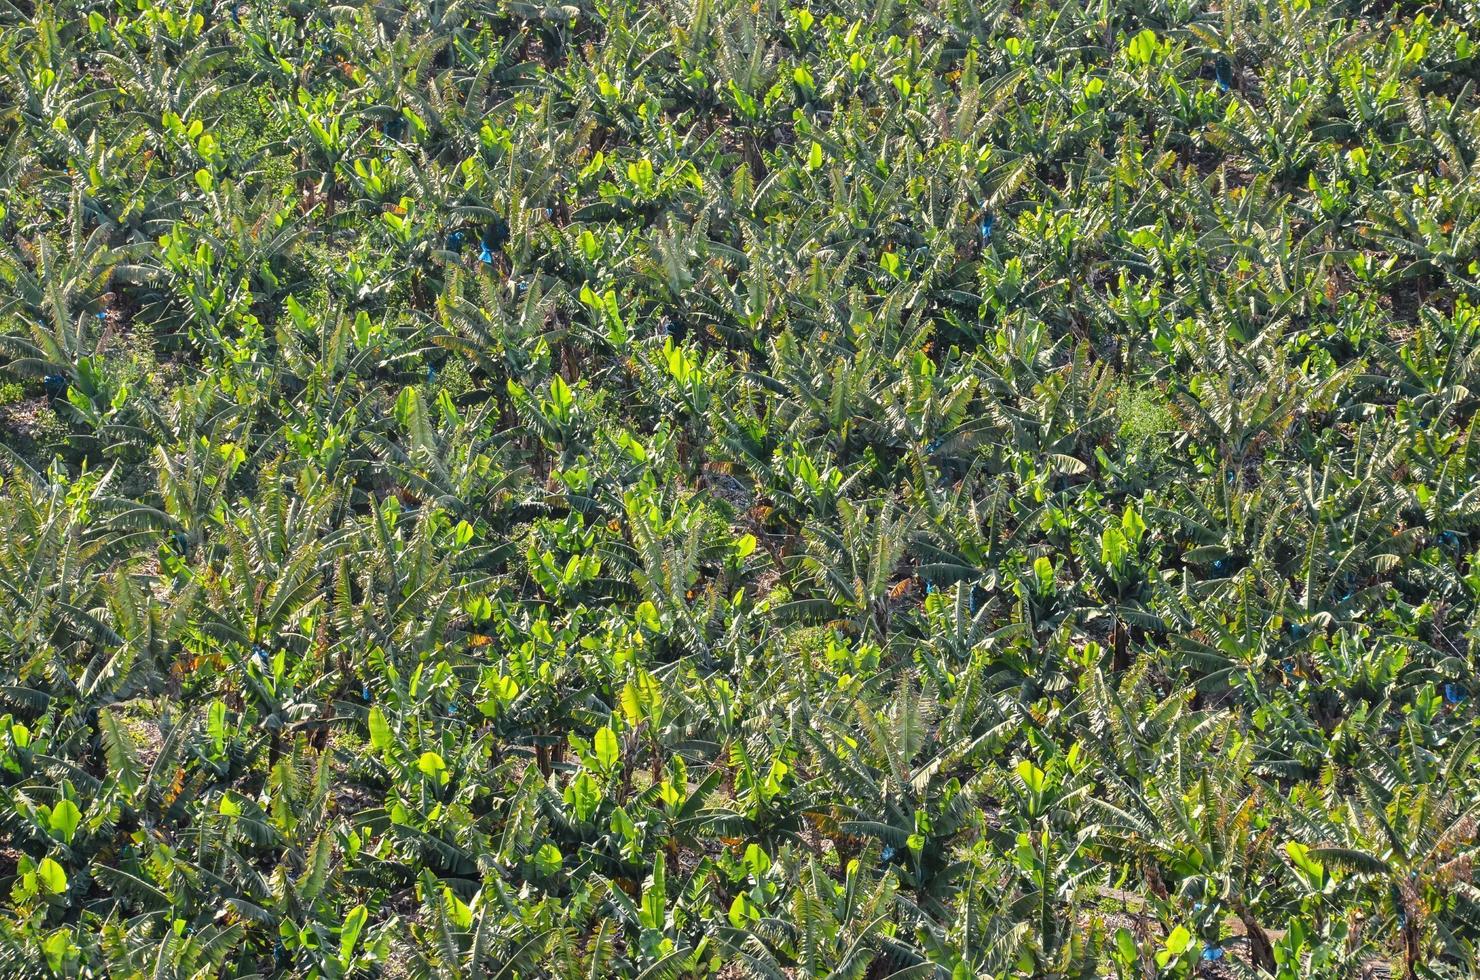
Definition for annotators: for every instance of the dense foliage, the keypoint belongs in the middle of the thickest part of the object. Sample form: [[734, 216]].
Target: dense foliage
[[721, 488]]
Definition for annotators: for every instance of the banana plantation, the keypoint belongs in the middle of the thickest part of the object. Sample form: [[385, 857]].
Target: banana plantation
[[686, 489]]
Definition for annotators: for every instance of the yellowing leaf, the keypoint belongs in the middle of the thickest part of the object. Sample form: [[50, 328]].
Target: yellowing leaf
[[51, 876]]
